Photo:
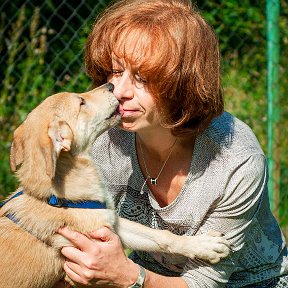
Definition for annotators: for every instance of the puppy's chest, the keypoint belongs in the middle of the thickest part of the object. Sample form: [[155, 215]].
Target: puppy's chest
[[43, 221], [39, 222]]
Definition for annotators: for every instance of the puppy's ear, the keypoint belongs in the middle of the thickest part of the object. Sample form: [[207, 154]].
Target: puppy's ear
[[17, 148], [61, 136]]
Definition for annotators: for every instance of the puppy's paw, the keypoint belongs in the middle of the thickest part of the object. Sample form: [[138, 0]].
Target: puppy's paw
[[210, 247], [213, 247]]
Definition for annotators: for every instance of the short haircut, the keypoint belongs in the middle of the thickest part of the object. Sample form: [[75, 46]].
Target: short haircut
[[174, 49]]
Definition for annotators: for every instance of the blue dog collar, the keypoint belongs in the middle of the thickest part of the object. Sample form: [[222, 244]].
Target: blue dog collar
[[14, 196], [59, 202], [88, 204]]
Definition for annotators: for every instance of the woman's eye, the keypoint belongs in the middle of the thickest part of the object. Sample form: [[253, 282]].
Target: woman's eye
[[140, 79], [117, 72]]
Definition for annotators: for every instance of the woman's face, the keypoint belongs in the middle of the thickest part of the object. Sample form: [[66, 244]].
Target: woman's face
[[137, 105]]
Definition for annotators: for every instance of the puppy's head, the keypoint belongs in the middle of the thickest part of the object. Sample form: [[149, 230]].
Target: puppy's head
[[62, 122]]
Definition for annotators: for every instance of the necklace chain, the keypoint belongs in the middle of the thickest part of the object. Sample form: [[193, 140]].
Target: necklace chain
[[153, 180]]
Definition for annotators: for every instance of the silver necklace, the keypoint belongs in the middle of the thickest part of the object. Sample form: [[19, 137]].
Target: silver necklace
[[153, 181]]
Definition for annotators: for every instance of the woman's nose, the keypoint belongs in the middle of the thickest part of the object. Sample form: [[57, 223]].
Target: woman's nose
[[123, 87]]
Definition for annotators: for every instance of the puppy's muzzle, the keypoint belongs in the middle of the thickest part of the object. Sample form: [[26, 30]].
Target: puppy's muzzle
[[110, 87]]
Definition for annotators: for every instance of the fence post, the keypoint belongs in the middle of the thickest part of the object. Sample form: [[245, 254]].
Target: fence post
[[272, 12]]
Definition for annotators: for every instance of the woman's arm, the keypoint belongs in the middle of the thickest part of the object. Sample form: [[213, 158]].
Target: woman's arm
[[103, 262], [242, 216]]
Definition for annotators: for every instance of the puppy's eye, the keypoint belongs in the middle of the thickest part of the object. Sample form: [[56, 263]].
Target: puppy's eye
[[82, 101]]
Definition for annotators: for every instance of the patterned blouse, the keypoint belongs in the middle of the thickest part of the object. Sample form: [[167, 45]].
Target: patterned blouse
[[225, 190]]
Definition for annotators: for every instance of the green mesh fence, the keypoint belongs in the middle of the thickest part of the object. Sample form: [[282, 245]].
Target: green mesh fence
[[42, 45]]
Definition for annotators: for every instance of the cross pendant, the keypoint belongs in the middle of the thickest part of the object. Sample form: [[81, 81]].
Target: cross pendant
[[153, 181]]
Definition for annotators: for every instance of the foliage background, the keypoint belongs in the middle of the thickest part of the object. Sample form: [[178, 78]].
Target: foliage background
[[41, 53]]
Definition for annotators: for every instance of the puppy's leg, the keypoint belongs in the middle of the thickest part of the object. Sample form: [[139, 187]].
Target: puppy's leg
[[57, 241], [210, 247]]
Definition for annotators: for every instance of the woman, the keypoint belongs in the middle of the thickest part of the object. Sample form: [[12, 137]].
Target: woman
[[176, 161]]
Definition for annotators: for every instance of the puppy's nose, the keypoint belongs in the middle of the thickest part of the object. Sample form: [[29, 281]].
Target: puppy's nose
[[110, 87]]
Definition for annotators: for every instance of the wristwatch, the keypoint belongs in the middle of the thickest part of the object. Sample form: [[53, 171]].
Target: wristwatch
[[141, 278]]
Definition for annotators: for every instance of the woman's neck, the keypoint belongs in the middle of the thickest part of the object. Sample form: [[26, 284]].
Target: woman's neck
[[159, 144], [164, 163]]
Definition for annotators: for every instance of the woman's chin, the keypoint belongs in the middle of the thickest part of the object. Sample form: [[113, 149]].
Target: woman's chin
[[127, 126]]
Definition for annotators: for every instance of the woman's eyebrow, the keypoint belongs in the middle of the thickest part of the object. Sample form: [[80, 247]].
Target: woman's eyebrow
[[118, 61]]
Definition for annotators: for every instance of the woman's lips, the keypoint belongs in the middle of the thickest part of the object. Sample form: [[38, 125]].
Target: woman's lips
[[128, 112]]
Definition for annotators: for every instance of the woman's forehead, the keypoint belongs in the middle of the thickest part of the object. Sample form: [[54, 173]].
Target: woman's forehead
[[142, 50], [133, 47]]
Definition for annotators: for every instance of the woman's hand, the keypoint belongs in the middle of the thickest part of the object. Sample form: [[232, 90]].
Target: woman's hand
[[98, 262]]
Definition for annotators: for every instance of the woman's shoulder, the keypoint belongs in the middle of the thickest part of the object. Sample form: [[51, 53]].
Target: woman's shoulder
[[231, 135]]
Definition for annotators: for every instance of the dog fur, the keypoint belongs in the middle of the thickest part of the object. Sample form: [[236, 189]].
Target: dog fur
[[50, 152]]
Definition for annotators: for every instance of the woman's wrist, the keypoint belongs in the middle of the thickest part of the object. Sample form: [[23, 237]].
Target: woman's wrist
[[132, 274], [140, 279]]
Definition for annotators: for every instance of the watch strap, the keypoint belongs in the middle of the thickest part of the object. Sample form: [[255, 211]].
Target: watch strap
[[141, 278]]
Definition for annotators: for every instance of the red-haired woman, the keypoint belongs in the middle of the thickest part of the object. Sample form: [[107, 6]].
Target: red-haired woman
[[176, 161]]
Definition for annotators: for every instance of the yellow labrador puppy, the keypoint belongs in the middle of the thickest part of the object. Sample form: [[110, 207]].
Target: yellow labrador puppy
[[60, 186]]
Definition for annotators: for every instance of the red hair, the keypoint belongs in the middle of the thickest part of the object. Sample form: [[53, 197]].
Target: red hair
[[174, 49]]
